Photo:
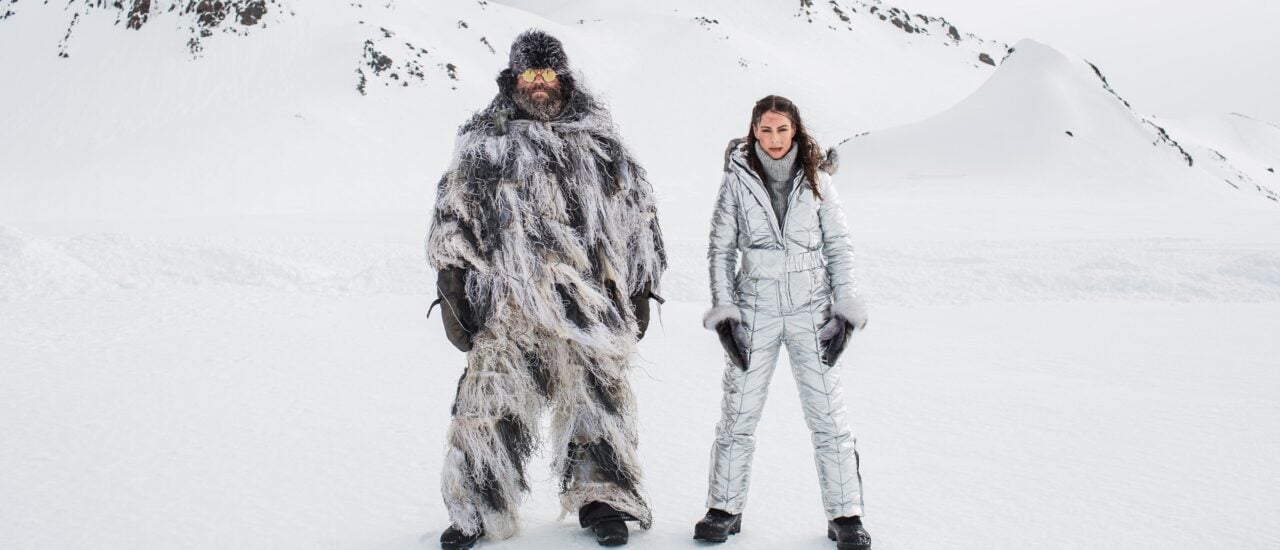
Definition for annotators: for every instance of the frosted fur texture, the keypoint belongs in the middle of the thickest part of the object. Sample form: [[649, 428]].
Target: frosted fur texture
[[718, 314], [557, 227], [854, 310]]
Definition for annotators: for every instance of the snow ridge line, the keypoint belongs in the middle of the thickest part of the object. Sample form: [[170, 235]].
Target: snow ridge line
[[1136, 270]]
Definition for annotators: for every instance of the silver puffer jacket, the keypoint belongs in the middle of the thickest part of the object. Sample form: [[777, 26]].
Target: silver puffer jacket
[[810, 251], [782, 279]]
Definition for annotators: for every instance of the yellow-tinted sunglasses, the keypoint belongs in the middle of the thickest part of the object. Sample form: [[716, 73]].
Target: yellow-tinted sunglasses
[[548, 75]]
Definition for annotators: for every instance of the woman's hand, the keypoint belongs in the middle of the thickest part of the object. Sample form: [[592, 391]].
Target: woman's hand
[[833, 337], [847, 317], [733, 337]]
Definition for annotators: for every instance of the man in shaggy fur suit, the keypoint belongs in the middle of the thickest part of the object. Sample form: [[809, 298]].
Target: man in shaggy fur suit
[[546, 241]]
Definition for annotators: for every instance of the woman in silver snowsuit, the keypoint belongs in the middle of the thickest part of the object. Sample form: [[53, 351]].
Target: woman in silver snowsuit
[[794, 285]]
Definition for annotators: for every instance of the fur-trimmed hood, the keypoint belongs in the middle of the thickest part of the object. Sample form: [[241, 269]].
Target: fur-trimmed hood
[[738, 147]]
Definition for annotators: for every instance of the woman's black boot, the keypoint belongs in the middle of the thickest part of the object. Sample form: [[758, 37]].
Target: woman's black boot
[[848, 533], [717, 525]]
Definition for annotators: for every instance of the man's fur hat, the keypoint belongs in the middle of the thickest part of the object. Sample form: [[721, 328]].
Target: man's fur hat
[[535, 49]]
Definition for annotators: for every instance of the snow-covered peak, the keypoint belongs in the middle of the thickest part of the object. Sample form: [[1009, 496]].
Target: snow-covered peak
[[1045, 146], [1042, 109], [352, 106]]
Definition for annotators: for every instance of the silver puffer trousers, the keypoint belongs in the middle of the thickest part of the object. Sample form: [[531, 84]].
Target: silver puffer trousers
[[792, 277]]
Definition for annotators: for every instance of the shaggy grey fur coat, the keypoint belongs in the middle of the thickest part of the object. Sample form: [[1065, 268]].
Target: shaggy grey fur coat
[[556, 225]]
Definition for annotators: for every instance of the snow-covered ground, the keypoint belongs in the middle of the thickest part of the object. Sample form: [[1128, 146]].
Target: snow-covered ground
[[280, 387], [251, 415], [212, 284]]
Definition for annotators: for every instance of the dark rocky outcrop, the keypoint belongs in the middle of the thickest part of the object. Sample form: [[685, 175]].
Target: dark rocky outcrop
[[1161, 135], [138, 14], [203, 18]]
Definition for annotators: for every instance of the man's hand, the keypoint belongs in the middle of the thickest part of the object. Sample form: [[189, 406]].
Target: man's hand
[[459, 320], [640, 305]]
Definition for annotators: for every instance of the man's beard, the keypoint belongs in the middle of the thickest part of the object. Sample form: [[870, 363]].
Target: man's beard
[[544, 109]]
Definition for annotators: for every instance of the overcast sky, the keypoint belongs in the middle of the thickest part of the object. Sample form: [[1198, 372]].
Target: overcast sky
[[1170, 58]]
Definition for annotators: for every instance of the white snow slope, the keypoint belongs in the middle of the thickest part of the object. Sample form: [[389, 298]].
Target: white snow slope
[[212, 289]]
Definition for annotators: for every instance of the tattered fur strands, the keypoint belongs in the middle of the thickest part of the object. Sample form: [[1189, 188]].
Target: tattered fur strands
[[556, 226], [550, 207], [496, 413]]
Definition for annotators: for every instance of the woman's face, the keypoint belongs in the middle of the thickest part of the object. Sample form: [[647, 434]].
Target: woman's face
[[775, 133]]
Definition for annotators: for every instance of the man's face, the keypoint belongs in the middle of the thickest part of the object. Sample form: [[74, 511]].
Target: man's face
[[539, 90], [539, 97]]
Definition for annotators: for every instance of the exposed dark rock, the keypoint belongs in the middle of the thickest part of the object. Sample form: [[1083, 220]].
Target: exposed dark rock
[[904, 25], [1070, 134], [1272, 170], [375, 59], [954, 33], [203, 18], [983, 57], [138, 14], [1161, 135], [251, 12], [391, 61], [414, 70], [62, 46], [209, 14], [835, 8]]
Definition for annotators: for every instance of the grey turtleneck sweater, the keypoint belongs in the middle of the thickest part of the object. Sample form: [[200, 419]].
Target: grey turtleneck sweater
[[779, 176]]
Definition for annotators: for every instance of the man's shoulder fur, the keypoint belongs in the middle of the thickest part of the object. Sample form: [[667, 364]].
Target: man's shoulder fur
[[581, 110]]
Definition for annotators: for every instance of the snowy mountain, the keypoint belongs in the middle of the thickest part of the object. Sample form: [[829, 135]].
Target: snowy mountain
[[1243, 152], [254, 107], [1047, 147], [261, 107]]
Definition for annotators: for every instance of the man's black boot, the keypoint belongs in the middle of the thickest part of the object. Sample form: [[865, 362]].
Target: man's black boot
[[454, 539], [608, 523], [848, 533], [611, 532], [717, 525]]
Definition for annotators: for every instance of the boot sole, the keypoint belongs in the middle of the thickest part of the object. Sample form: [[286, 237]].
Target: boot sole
[[461, 546], [612, 542], [737, 528], [613, 539]]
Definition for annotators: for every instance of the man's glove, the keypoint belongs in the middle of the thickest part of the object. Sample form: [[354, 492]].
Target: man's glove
[[734, 338], [640, 305], [459, 319]]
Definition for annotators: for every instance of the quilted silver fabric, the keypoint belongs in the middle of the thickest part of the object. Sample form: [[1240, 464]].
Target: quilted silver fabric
[[783, 277]]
